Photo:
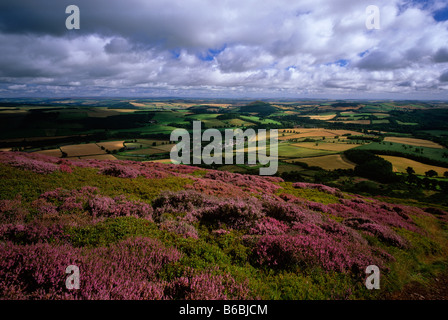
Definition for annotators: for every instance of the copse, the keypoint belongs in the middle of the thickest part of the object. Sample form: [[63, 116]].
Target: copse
[[369, 165]]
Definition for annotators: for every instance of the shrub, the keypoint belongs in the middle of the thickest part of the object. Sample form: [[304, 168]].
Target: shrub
[[126, 270], [120, 171], [289, 212], [235, 213], [180, 227], [12, 210], [118, 207], [211, 284], [37, 166]]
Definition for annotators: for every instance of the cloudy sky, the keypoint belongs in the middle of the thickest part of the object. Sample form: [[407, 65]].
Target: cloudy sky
[[225, 48]]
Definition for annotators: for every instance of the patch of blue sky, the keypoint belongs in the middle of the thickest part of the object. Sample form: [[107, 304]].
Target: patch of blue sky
[[340, 63], [362, 54], [441, 14], [210, 54], [175, 53]]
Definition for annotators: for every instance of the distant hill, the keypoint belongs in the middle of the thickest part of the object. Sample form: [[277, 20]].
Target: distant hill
[[259, 107]]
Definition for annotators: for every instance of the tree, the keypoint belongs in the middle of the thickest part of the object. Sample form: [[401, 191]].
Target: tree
[[431, 173], [445, 174], [410, 170], [426, 183]]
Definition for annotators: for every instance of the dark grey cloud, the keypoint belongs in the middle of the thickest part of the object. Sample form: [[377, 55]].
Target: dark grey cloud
[[380, 60], [444, 76], [441, 55]]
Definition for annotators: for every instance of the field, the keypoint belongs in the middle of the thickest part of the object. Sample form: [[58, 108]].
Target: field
[[98, 157], [79, 150], [400, 164], [327, 146], [414, 142], [298, 133], [436, 154], [51, 152], [329, 162], [111, 145], [291, 151], [152, 150]]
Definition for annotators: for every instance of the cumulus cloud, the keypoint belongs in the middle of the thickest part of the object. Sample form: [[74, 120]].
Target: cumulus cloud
[[224, 48]]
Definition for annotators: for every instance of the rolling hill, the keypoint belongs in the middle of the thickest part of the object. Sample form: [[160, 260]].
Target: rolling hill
[[147, 230]]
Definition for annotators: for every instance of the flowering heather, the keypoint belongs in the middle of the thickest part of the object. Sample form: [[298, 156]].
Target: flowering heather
[[220, 232], [250, 183], [37, 166], [69, 200], [63, 167], [268, 226], [377, 212], [118, 207], [311, 246], [31, 233], [289, 212], [180, 227], [234, 213], [382, 232], [44, 207], [126, 270], [35, 271], [215, 188], [88, 199], [260, 228], [207, 286], [120, 171], [6, 157], [181, 201], [12, 210]]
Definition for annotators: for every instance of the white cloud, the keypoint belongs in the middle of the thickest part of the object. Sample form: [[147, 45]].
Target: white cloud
[[230, 47]]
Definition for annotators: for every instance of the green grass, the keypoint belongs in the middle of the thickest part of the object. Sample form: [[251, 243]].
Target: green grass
[[407, 123], [290, 151], [379, 121], [167, 117], [32, 184], [430, 153], [309, 194], [258, 120]]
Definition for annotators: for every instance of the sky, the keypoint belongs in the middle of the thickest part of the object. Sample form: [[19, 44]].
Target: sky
[[225, 49]]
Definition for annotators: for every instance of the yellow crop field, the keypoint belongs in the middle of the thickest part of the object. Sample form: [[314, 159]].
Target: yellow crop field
[[111, 145], [52, 152], [99, 157], [79, 150], [329, 162], [321, 117], [400, 164], [414, 142], [326, 146], [160, 161], [312, 132], [365, 122]]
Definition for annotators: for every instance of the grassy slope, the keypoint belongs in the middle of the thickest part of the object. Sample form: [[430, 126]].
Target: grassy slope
[[228, 251]]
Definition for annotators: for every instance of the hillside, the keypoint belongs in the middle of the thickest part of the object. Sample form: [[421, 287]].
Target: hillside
[[146, 230]]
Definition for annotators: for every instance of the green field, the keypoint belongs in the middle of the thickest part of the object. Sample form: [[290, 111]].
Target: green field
[[430, 153], [259, 120], [290, 151]]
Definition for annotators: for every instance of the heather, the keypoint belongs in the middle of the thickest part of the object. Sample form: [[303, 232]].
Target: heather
[[156, 231]]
